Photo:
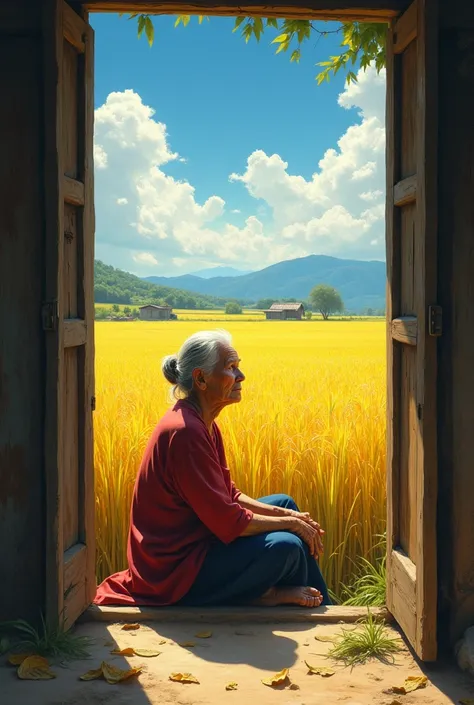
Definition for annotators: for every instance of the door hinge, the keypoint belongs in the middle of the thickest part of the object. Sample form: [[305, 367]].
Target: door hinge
[[435, 320], [93, 403], [49, 315]]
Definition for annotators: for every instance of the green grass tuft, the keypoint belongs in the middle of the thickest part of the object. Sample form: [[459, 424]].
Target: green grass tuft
[[370, 639], [53, 642]]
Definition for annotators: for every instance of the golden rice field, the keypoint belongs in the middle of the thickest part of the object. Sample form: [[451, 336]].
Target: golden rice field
[[311, 424]]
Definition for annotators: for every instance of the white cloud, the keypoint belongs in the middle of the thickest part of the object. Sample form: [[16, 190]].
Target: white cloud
[[153, 217], [145, 258]]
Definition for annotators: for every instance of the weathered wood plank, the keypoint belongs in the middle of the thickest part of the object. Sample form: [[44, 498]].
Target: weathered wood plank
[[69, 92], [403, 588], [405, 28], [407, 247], [404, 191], [405, 329], [70, 256], [86, 304], [343, 10], [408, 500], [75, 568], [409, 98], [21, 340], [73, 191], [231, 615], [74, 333], [426, 292], [73, 29], [53, 177], [393, 258], [70, 450]]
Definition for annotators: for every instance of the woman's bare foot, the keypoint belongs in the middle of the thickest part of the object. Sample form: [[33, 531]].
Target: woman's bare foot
[[302, 596]]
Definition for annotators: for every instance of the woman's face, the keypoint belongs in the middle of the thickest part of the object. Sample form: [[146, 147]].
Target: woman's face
[[224, 385]]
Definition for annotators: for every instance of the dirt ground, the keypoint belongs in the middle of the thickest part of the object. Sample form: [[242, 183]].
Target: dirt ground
[[242, 653]]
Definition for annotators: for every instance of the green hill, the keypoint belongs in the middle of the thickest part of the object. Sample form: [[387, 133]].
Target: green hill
[[117, 287]]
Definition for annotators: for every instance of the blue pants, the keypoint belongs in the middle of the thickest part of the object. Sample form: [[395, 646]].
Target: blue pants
[[245, 569]]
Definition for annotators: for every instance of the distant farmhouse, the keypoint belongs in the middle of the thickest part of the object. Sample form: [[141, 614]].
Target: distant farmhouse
[[284, 312], [151, 312]]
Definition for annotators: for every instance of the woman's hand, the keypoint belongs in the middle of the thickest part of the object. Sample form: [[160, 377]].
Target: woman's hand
[[306, 517], [309, 532]]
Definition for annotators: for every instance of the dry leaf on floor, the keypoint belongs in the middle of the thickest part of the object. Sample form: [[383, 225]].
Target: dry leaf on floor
[[147, 653], [113, 675], [203, 635], [232, 686], [129, 651], [183, 678], [163, 641], [330, 638], [91, 675], [395, 702], [129, 627], [411, 683], [320, 670], [278, 679], [35, 668], [17, 659], [187, 644], [294, 686]]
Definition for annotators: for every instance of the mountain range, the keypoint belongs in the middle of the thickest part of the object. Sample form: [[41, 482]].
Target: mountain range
[[360, 283], [220, 272]]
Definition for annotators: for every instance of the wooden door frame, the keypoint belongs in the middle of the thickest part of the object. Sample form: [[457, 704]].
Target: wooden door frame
[[331, 10]]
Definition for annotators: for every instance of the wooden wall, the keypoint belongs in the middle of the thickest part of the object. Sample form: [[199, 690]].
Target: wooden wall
[[21, 341], [456, 295]]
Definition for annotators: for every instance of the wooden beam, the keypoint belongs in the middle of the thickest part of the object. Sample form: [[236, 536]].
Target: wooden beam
[[404, 31], [402, 586], [404, 192], [231, 615], [73, 26], [73, 191], [342, 10], [405, 329], [75, 561], [74, 332]]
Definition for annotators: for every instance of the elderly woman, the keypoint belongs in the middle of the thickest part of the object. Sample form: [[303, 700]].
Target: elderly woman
[[194, 538]]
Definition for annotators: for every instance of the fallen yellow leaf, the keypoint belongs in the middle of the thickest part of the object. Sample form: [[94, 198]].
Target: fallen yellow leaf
[[187, 644], [92, 675], [161, 642], [129, 627], [17, 659], [183, 678], [232, 686], [113, 675], [330, 638], [203, 635], [35, 668], [320, 670], [411, 683], [129, 651], [278, 679], [147, 653]]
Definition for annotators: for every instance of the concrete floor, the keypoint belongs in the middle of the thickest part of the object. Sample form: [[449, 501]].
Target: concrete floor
[[245, 653]]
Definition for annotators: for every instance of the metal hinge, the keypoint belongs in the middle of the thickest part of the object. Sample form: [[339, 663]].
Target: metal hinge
[[93, 403], [435, 320], [49, 315]]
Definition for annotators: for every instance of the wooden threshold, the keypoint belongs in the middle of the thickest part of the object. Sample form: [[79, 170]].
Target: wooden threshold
[[232, 615]]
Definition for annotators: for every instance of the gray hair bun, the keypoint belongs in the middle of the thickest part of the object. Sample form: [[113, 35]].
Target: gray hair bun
[[170, 368]]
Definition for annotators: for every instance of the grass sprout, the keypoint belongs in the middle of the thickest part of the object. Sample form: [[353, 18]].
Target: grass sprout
[[370, 639]]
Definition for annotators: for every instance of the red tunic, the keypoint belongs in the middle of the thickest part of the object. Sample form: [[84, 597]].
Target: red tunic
[[184, 499]]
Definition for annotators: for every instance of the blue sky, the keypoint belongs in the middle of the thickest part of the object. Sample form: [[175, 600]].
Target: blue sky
[[166, 200]]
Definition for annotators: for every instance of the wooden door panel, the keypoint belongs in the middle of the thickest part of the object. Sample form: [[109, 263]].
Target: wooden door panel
[[411, 344], [70, 312]]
